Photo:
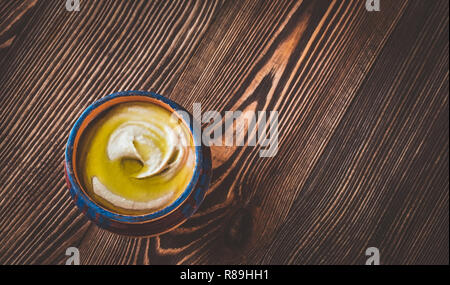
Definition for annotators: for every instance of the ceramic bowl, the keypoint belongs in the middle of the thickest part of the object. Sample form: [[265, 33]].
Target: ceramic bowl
[[151, 224]]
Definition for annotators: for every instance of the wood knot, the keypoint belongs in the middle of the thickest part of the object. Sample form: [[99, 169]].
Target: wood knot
[[239, 230]]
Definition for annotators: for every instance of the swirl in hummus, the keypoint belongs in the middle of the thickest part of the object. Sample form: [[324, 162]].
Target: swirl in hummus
[[137, 157]]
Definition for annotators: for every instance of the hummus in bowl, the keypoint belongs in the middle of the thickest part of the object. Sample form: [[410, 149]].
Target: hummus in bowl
[[132, 166]]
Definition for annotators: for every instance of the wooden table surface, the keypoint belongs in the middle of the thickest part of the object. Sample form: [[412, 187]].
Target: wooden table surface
[[363, 108]]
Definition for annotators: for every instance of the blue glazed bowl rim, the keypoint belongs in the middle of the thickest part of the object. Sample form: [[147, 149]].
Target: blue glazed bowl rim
[[116, 216]]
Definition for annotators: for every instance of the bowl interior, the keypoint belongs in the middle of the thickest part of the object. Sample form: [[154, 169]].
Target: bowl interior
[[97, 109]]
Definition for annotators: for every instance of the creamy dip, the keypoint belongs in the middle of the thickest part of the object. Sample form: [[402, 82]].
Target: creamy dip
[[137, 157]]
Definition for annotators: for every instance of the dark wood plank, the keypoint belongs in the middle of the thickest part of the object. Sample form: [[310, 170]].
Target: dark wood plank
[[363, 117], [384, 173]]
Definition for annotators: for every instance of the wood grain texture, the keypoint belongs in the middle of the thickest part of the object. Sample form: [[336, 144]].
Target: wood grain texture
[[363, 120]]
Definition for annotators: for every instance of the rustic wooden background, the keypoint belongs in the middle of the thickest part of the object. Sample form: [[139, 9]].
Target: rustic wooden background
[[363, 112]]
